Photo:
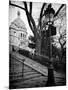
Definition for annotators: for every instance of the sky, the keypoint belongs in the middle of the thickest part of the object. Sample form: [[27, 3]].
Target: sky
[[35, 13]]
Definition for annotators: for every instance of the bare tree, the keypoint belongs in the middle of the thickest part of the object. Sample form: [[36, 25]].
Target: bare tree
[[31, 22], [36, 29], [61, 40]]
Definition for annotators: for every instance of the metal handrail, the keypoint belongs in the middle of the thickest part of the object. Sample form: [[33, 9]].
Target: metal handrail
[[21, 61]]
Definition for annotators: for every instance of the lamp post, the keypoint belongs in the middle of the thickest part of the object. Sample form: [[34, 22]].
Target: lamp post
[[49, 15]]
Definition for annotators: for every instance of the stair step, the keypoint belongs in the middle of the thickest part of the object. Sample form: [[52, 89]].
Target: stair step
[[25, 73], [20, 71], [24, 77]]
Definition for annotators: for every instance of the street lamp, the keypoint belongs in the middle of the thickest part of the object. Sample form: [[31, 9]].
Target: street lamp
[[49, 16]]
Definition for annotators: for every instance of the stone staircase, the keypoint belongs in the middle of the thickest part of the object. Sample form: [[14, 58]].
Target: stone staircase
[[23, 76], [26, 73]]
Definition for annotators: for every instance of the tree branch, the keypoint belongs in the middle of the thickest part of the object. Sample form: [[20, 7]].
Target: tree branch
[[41, 13], [16, 5], [58, 10], [30, 19], [30, 7], [64, 43]]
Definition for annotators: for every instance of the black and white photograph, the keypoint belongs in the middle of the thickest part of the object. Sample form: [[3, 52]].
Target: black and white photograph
[[37, 44]]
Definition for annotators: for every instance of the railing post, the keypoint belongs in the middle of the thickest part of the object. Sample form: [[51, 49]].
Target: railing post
[[23, 67]]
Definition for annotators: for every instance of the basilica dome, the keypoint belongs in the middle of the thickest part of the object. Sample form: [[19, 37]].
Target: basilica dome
[[18, 34], [18, 23]]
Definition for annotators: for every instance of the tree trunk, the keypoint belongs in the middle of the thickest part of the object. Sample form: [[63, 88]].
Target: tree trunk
[[62, 52], [38, 46]]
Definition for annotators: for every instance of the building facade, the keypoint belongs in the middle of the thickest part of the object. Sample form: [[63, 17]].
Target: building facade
[[17, 34]]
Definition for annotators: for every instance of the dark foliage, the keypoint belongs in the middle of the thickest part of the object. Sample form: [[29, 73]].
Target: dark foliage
[[31, 45], [24, 52]]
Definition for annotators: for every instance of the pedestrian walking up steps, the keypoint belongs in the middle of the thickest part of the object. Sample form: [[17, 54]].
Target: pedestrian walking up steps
[[23, 76]]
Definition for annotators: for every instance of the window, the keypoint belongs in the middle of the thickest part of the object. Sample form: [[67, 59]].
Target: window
[[24, 35], [21, 34], [14, 32]]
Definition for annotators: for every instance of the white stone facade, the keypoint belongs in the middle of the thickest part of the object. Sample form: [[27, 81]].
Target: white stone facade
[[18, 34]]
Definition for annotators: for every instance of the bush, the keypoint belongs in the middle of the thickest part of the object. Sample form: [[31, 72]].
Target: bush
[[24, 52], [59, 66]]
